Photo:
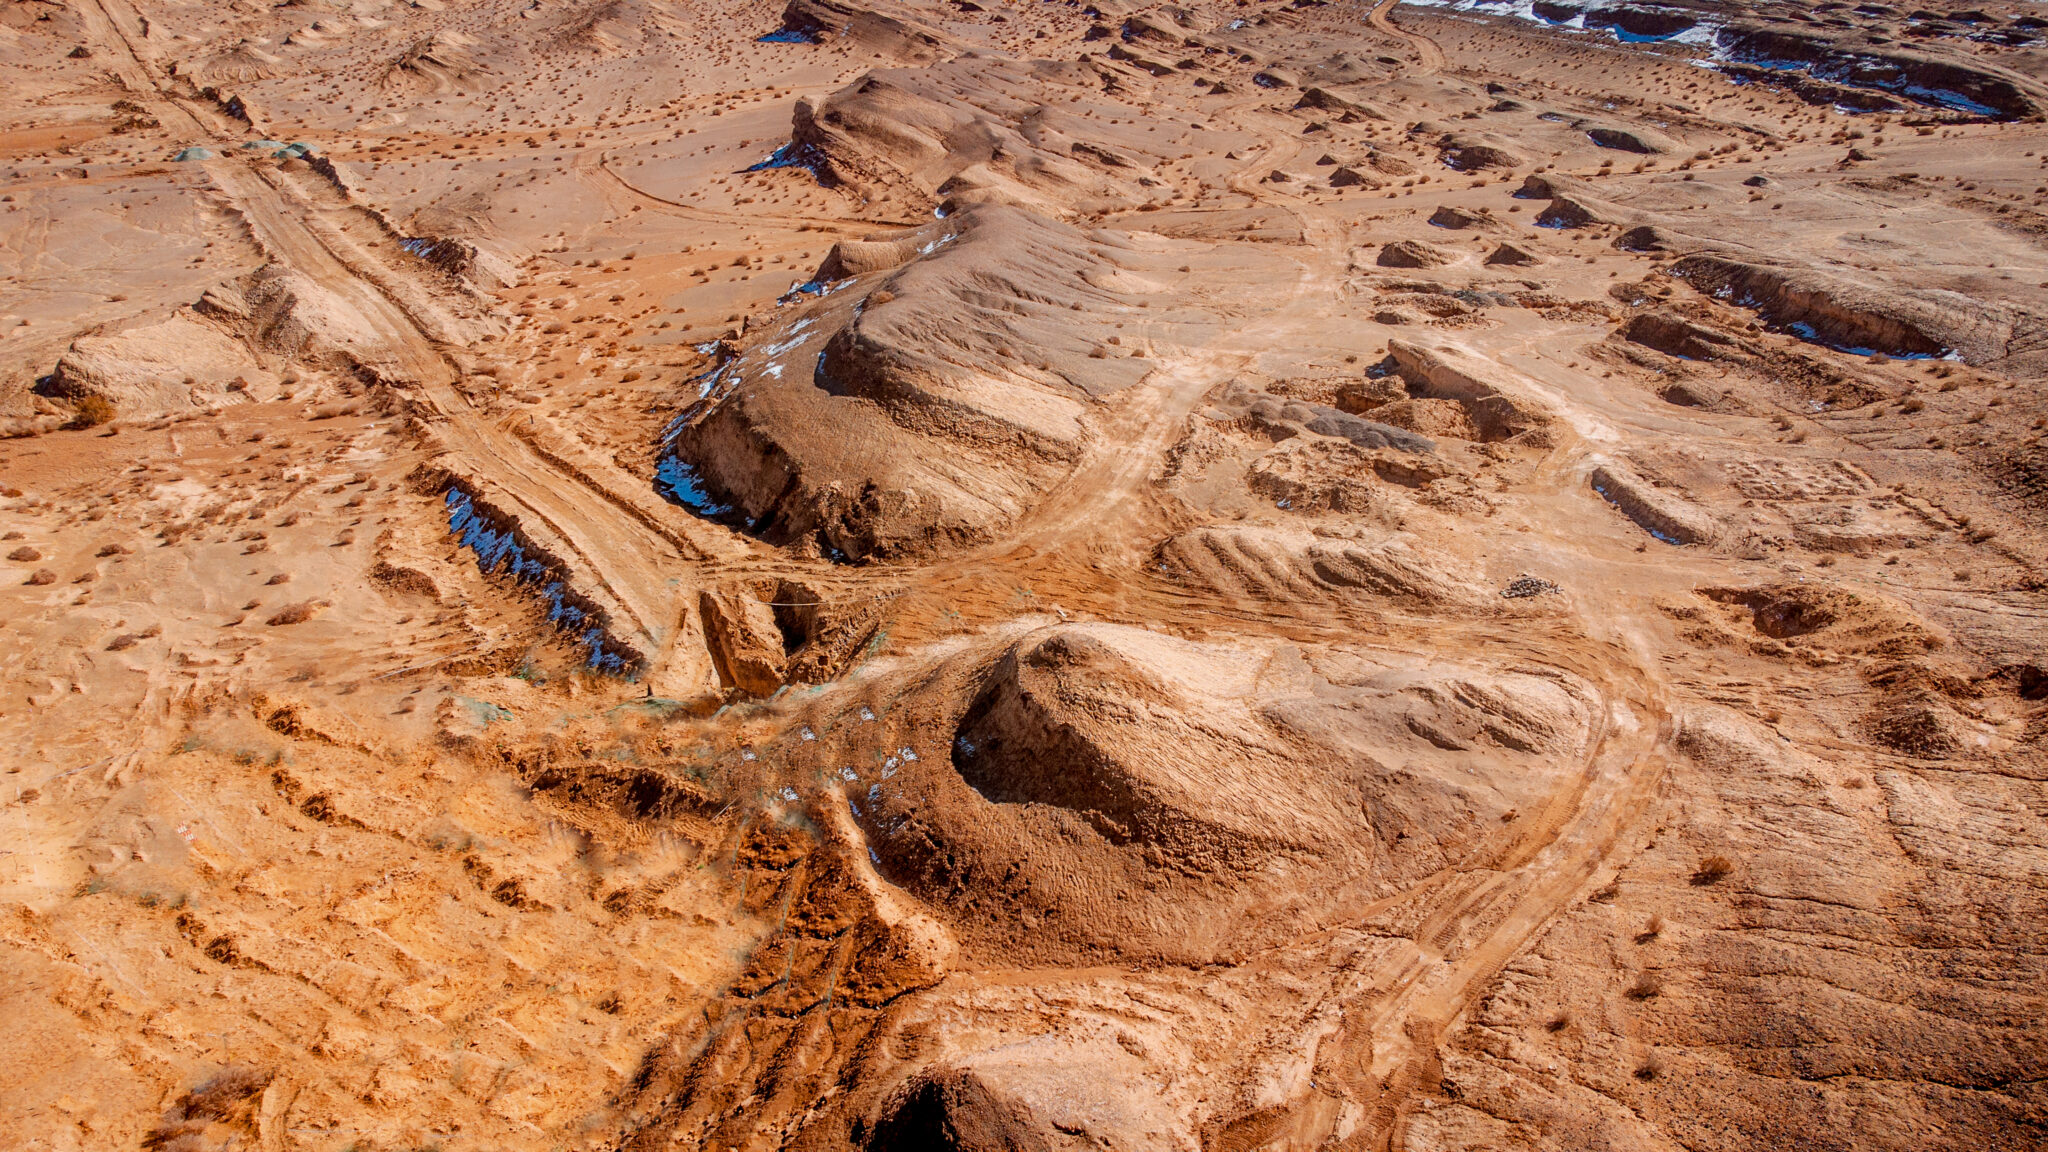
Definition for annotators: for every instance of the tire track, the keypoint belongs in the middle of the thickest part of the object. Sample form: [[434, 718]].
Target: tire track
[[629, 564]]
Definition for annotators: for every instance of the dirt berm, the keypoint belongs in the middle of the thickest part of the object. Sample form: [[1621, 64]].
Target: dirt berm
[[1835, 310], [958, 385], [1496, 398], [1668, 517], [974, 131]]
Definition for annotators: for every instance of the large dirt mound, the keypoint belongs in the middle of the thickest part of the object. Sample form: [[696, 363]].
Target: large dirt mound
[[958, 385], [1092, 803], [855, 26], [975, 131]]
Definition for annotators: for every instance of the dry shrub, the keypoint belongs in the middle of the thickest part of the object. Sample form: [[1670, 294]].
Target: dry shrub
[[228, 1098], [40, 577], [92, 411], [1713, 870], [24, 554], [1647, 986], [298, 613]]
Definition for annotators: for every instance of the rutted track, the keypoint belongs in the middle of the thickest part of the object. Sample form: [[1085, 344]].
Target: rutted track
[[622, 564]]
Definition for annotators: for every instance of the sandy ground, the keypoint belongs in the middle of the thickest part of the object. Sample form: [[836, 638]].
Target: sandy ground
[[1022, 576]]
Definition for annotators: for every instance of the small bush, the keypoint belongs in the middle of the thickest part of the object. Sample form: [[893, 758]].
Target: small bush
[[1646, 987], [92, 411], [298, 613], [1713, 870]]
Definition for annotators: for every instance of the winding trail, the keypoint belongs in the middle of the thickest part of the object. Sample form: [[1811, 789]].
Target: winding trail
[[1429, 57]]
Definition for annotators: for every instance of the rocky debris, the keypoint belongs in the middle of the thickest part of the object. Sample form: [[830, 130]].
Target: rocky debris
[[1577, 210], [1920, 722], [1346, 176], [1524, 586], [440, 63], [1692, 394], [1638, 19], [1678, 335], [1549, 185], [744, 641], [1472, 153], [1814, 91], [1350, 109], [1454, 217], [1663, 514], [1944, 81], [1815, 615], [1140, 61], [1639, 140], [1282, 418], [1429, 417], [1362, 395]]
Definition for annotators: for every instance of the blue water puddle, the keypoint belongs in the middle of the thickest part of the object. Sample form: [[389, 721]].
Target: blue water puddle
[[1864, 72], [499, 552], [678, 481], [813, 288], [787, 36], [1805, 330], [1811, 335], [1627, 37], [792, 155]]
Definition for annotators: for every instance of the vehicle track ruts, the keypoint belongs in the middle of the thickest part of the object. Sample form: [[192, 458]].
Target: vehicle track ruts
[[628, 565], [1429, 57]]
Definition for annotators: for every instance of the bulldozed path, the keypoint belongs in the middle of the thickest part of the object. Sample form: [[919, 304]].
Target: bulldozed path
[[616, 559]]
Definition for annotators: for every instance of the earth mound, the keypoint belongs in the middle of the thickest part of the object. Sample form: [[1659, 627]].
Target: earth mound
[[960, 385], [1088, 806]]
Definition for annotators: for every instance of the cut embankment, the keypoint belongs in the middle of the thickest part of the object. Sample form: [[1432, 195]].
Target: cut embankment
[[1669, 518], [503, 548]]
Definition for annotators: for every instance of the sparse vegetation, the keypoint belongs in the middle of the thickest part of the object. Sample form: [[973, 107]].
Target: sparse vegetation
[[91, 411], [1713, 870]]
